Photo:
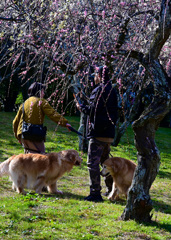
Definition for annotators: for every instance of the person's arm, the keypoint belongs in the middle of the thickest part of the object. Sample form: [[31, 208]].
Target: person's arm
[[16, 121], [53, 115], [84, 108], [87, 109]]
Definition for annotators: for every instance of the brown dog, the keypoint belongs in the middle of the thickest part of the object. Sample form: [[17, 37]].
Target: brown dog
[[122, 171], [33, 171]]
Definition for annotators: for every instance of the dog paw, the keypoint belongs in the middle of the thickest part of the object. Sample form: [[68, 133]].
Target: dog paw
[[59, 192], [21, 191], [111, 199]]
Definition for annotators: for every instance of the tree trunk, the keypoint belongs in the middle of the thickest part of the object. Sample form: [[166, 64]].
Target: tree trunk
[[83, 142], [139, 203]]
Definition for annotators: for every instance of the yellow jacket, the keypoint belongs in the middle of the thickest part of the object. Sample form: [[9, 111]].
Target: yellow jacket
[[35, 110]]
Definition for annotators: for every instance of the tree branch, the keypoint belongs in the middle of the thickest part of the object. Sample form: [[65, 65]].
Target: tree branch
[[163, 32], [12, 19]]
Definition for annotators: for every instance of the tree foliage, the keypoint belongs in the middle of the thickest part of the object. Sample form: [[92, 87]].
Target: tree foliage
[[52, 40]]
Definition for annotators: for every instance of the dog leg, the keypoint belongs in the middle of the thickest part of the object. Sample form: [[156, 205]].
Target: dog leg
[[117, 195], [13, 184], [20, 190], [114, 193], [20, 184], [39, 184], [52, 188], [14, 187], [125, 190], [18, 181]]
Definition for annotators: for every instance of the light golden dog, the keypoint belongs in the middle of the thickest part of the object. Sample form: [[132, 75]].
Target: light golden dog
[[34, 171], [122, 171]]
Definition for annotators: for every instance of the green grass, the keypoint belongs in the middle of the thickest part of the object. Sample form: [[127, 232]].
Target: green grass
[[48, 216]]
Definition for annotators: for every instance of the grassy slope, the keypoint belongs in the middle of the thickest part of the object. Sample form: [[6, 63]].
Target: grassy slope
[[69, 217]]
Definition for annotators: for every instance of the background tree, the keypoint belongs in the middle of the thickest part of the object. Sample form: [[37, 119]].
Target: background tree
[[52, 41]]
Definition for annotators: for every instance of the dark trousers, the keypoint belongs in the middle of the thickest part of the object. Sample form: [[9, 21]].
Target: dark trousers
[[33, 146], [98, 152]]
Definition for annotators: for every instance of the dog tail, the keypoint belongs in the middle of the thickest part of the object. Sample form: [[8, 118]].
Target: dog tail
[[4, 167]]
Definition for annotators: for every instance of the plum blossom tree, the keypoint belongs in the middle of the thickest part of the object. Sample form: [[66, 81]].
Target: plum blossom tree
[[59, 42]]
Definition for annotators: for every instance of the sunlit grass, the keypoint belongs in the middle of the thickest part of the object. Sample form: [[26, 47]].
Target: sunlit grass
[[48, 216]]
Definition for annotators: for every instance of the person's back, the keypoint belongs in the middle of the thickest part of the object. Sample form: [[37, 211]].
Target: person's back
[[33, 111], [103, 114]]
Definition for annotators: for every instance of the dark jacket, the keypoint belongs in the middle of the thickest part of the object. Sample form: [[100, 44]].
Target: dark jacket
[[102, 111]]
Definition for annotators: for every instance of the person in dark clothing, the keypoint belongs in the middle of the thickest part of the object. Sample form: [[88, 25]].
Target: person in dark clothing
[[102, 116]]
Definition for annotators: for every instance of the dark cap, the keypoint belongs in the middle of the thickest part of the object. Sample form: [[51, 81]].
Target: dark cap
[[35, 88]]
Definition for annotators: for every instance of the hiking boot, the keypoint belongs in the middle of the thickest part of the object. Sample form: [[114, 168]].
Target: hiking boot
[[94, 198]]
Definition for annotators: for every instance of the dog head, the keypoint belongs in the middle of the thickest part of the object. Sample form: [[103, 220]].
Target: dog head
[[104, 172], [109, 166], [73, 157]]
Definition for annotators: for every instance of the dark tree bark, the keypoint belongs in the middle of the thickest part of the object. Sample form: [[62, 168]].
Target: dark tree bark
[[139, 203]]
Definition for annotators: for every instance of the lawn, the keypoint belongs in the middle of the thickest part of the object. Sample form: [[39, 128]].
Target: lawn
[[67, 217]]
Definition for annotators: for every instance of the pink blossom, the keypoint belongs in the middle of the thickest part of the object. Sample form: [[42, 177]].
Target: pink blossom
[[85, 13], [119, 81], [23, 73], [168, 67], [16, 58], [103, 14], [122, 4], [28, 36]]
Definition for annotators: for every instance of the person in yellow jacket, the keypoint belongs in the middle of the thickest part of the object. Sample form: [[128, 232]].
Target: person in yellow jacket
[[35, 109]]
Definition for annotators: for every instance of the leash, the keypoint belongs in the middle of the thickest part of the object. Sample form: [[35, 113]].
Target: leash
[[75, 131], [35, 151]]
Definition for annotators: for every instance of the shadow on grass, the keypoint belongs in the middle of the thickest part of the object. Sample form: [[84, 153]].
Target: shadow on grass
[[65, 195], [163, 174], [161, 206], [121, 202], [162, 226], [68, 195]]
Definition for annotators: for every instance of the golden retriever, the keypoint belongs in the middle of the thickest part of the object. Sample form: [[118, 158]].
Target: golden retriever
[[34, 171], [122, 171]]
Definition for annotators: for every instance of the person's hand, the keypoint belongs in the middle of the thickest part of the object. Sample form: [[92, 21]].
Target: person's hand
[[78, 106], [68, 125]]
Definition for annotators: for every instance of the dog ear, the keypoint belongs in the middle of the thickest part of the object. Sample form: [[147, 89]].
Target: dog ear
[[108, 162], [70, 157], [73, 157]]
